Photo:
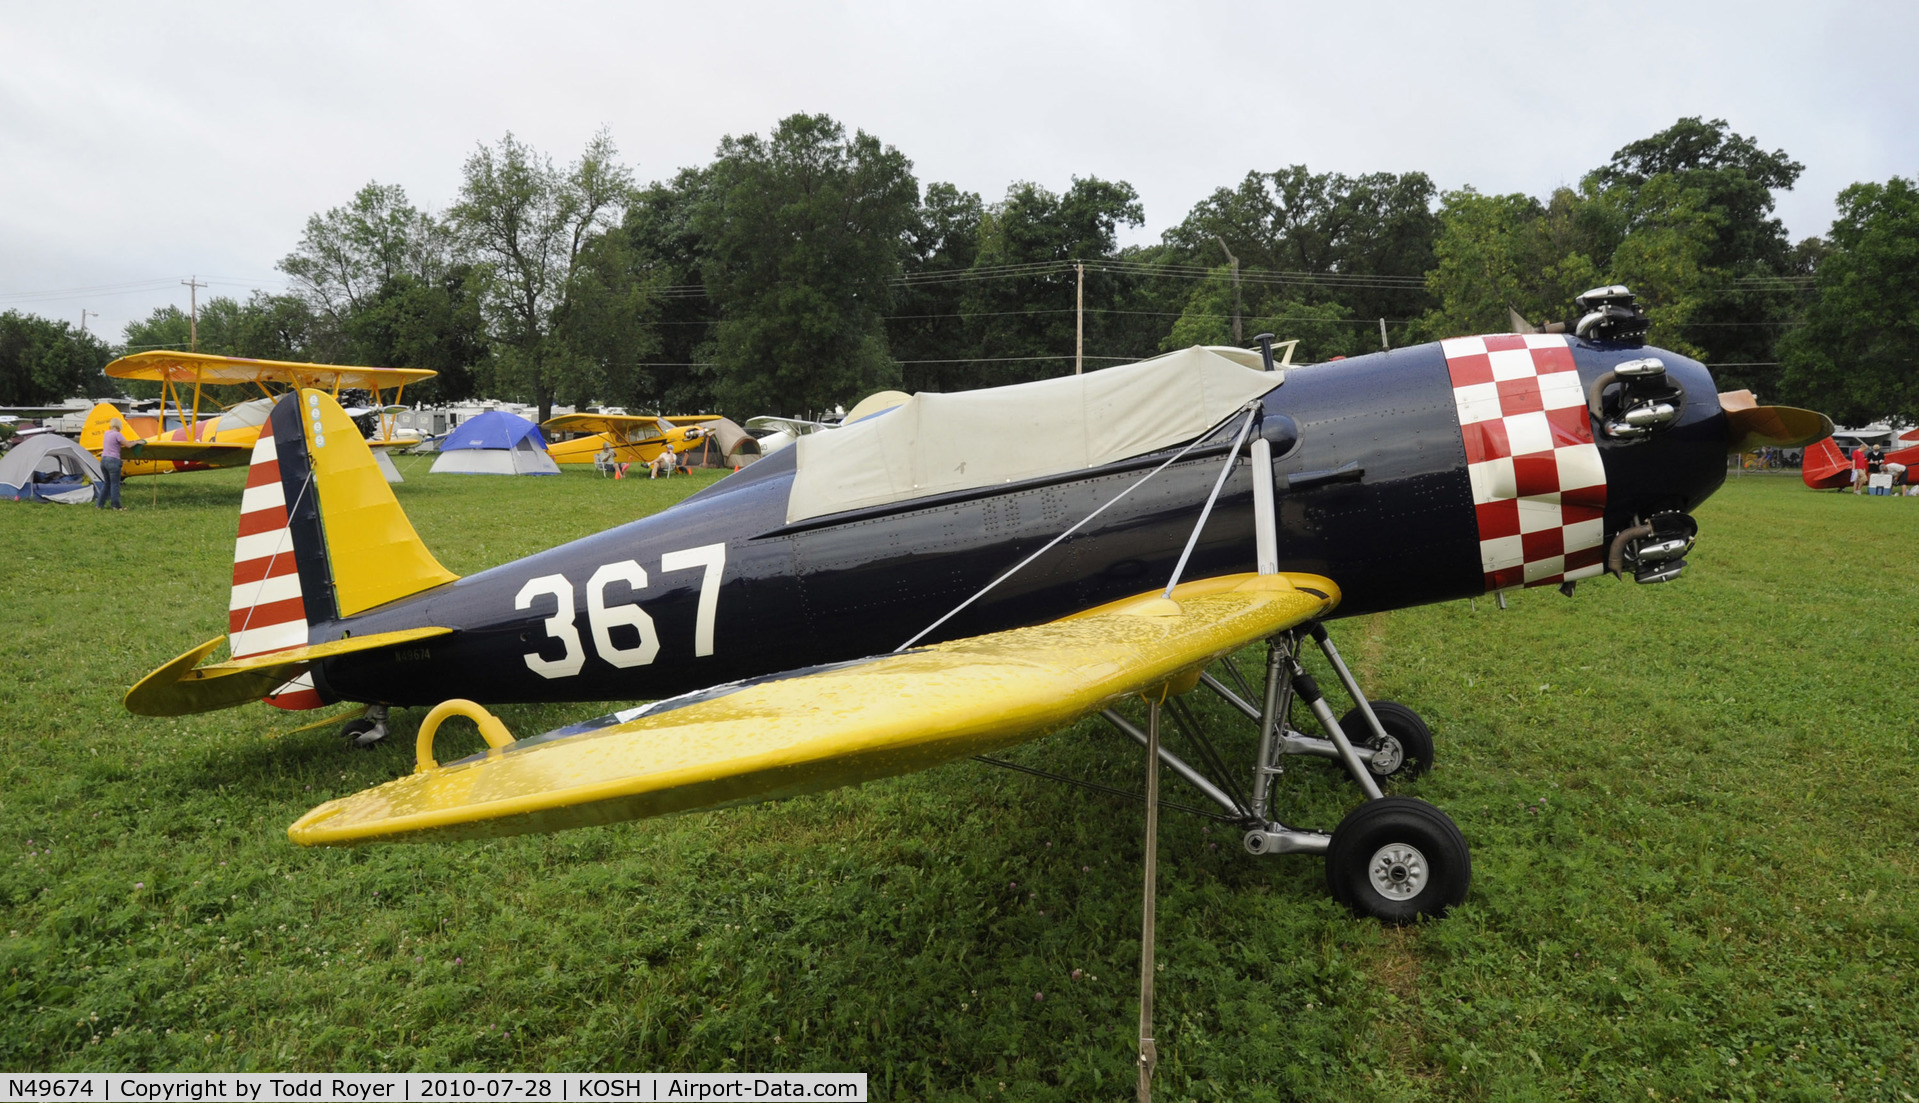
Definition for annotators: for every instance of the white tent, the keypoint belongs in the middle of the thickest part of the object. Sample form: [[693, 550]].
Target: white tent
[[49, 468]]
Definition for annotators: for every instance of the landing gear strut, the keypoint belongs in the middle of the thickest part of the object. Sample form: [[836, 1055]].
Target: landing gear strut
[[1393, 858]]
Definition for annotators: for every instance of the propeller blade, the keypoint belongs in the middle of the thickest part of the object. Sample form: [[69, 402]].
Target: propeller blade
[[1751, 426]]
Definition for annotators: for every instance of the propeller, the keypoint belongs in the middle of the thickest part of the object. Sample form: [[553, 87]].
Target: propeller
[[1751, 426]]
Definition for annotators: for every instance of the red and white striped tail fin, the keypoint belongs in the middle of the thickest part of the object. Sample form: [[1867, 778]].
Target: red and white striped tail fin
[[267, 612]]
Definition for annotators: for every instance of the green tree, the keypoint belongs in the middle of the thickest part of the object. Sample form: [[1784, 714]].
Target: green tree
[[413, 322], [1739, 307], [43, 361], [665, 246], [803, 234], [609, 325], [272, 327], [1499, 252], [1857, 356], [527, 222], [1020, 299], [1365, 242], [928, 330], [1682, 217], [1324, 330], [352, 253]]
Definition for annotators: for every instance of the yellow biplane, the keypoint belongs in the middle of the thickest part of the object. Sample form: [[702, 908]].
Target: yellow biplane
[[226, 439]]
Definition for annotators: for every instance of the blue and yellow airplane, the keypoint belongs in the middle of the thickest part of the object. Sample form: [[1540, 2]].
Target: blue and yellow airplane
[[967, 571]]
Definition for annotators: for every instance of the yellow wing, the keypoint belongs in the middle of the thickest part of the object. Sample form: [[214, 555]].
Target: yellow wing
[[815, 730], [634, 427], [202, 367], [213, 453]]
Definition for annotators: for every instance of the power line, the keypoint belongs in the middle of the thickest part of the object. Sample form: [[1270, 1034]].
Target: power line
[[1010, 359]]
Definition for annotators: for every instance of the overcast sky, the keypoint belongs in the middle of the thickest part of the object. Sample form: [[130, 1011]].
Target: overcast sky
[[143, 143]]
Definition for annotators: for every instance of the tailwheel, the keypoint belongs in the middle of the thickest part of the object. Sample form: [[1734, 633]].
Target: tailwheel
[[1398, 860], [1407, 750], [367, 731]]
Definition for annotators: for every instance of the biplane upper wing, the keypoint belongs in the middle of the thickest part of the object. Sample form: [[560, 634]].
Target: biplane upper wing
[[816, 729], [163, 365]]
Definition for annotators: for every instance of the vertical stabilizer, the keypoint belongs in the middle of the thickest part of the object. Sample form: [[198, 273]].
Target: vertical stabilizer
[[321, 537]]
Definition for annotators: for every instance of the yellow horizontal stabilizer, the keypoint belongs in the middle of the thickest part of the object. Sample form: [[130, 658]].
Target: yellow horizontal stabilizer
[[837, 725], [182, 687], [327, 650]]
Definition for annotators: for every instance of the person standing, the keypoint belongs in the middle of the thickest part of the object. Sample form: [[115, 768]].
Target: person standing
[[1859, 470], [110, 444]]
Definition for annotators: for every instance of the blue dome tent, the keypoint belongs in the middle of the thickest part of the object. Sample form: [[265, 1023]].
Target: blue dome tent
[[495, 443]]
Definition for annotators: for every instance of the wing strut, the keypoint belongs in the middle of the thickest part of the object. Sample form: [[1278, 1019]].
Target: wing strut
[[1232, 458], [1050, 544]]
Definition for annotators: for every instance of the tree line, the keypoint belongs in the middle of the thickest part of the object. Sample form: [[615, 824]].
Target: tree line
[[807, 267]]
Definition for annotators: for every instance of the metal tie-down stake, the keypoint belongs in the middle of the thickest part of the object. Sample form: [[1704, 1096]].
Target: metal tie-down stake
[[1148, 1053]]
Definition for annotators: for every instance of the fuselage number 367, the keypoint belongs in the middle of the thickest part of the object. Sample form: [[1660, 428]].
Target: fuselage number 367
[[607, 609]]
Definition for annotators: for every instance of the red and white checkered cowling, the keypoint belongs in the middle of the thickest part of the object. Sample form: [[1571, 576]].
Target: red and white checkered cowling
[[1539, 487]]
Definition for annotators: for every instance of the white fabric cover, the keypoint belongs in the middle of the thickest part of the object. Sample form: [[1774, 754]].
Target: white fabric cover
[[938, 443]]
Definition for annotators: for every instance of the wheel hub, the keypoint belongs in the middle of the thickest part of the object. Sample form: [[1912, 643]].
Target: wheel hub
[[1387, 755], [1398, 871]]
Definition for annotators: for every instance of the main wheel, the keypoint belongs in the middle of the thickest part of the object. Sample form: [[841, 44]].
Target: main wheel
[[1398, 860], [1407, 750]]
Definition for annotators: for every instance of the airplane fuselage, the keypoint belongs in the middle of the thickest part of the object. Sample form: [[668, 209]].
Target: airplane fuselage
[[1375, 489]]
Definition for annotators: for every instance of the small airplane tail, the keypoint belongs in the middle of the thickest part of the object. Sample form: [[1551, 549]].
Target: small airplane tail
[[321, 537], [94, 431], [1823, 466]]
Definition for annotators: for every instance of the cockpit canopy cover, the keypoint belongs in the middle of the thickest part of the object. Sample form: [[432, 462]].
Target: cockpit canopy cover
[[939, 443]]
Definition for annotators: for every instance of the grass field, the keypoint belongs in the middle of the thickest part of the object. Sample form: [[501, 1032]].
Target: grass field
[[1694, 813]]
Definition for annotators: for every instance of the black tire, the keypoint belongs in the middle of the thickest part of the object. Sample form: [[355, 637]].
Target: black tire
[[1404, 727], [363, 733], [1398, 860]]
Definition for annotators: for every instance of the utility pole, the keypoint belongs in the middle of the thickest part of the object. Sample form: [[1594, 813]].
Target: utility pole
[[1229, 256], [1383, 343], [1079, 320], [84, 314], [193, 318]]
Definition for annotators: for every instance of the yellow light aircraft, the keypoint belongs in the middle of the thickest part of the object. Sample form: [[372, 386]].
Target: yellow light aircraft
[[634, 438], [226, 439]]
